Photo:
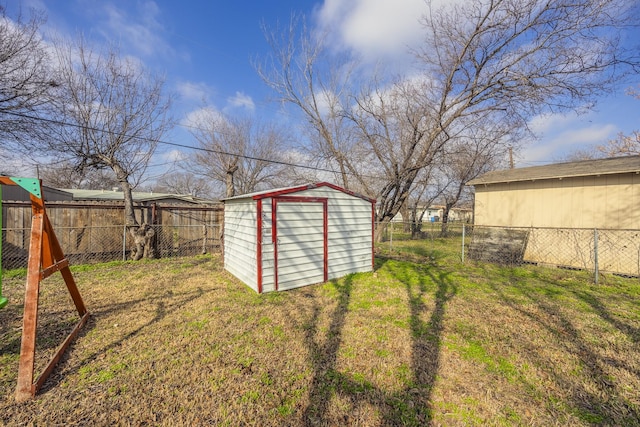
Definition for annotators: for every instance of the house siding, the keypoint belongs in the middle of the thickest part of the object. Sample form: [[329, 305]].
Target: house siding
[[562, 215], [609, 201]]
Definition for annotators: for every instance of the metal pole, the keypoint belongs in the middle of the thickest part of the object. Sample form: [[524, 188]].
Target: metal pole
[[124, 243], [462, 253], [595, 254], [391, 236], [3, 300]]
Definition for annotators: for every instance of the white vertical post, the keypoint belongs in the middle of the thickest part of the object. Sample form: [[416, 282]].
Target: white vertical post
[[391, 236], [595, 255]]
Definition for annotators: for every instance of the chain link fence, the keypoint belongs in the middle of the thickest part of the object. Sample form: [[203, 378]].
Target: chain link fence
[[399, 231], [594, 250], [86, 245]]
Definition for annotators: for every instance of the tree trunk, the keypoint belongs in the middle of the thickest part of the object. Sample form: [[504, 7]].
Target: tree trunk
[[380, 228], [231, 189], [405, 211], [129, 213], [444, 228]]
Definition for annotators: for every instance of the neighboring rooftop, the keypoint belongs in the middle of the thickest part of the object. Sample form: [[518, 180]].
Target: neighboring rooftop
[[613, 165], [138, 196]]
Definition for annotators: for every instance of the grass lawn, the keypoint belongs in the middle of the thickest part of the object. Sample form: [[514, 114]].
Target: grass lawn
[[422, 340]]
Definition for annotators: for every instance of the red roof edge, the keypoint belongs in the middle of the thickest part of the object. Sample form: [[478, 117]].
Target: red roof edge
[[310, 187]]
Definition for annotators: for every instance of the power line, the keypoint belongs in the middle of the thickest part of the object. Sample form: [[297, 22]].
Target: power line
[[175, 144]]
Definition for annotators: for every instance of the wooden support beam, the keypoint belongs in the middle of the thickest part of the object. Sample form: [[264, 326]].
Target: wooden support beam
[[25, 389], [45, 258]]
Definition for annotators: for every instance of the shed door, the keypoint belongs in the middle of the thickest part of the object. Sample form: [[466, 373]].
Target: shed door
[[300, 236]]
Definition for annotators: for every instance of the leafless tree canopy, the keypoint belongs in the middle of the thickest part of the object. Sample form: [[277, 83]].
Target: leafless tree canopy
[[238, 153], [112, 113], [303, 74], [25, 77], [488, 64], [185, 183], [64, 175]]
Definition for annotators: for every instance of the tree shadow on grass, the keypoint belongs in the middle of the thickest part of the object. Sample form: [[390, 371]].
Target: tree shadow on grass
[[596, 402], [630, 331], [324, 356], [410, 406], [160, 309]]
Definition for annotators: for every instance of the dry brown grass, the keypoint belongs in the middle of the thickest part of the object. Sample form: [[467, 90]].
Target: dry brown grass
[[181, 342]]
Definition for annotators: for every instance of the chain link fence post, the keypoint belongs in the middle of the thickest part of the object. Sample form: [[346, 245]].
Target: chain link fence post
[[124, 243], [595, 255], [462, 251]]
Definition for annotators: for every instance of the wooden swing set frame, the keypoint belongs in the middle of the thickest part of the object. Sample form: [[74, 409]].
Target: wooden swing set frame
[[45, 258]]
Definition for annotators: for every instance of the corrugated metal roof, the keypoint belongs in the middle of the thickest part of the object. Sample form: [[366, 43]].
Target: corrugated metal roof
[[138, 196], [614, 165]]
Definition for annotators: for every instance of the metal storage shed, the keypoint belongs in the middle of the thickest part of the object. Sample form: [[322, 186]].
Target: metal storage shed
[[290, 237]]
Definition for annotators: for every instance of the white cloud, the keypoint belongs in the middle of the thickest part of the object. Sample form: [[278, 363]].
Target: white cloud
[[562, 137], [173, 156], [543, 123], [373, 28], [140, 31], [198, 117], [241, 100], [192, 91]]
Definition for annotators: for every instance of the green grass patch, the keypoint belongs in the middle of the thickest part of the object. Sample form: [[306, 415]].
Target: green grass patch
[[424, 339]]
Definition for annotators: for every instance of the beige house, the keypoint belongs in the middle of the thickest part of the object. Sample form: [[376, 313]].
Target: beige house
[[563, 204]]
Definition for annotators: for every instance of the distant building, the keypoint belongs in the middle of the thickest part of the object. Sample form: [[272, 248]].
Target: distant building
[[560, 207], [138, 196], [434, 214], [15, 193], [602, 193]]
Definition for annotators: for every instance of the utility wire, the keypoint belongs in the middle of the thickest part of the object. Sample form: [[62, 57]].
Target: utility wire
[[175, 144]]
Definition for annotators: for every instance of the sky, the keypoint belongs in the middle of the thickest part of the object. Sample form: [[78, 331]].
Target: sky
[[205, 51]]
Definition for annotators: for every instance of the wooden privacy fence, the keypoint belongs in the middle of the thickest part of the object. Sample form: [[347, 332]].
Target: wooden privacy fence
[[95, 231]]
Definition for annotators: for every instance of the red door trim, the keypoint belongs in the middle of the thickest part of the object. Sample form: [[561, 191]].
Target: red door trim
[[274, 233], [259, 244]]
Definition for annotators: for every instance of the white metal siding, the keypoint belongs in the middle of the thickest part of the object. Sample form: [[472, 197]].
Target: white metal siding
[[240, 219], [350, 235], [300, 246], [300, 240]]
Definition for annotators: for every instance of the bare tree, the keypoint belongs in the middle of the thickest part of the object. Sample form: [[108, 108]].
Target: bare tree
[[302, 73], [239, 153], [185, 183], [469, 156], [623, 145], [506, 60], [26, 79], [64, 175], [112, 113]]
